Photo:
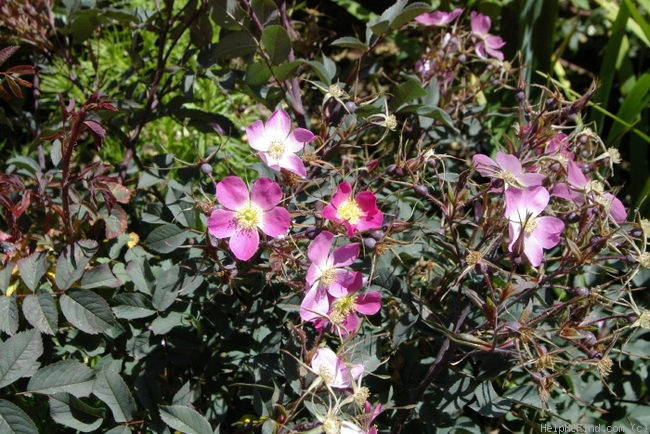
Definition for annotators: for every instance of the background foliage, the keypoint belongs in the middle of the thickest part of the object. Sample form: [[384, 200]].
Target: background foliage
[[119, 315]]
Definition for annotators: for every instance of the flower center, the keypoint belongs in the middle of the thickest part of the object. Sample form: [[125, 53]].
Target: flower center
[[350, 211], [595, 186], [328, 277], [276, 149], [531, 224], [331, 425], [509, 178], [326, 374], [248, 217], [342, 308]]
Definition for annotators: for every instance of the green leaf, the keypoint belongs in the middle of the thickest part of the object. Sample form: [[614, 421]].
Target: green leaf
[[13, 420], [350, 42], [71, 264], [236, 44], [116, 221], [74, 413], [286, 70], [167, 287], [5, 276], [87, 311], [121, 429], [326, 70], [19, 355], [100, 276], [41, 312], [67, 376], [185, 419], [630, 111], [111, 388], [257, 73], [32, 268], [8, 314], [166, 238], [140, 273], [277, 43], [407, 91], [396, 16], [132, 305]]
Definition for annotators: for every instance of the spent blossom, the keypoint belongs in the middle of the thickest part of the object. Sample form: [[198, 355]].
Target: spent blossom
[[438, 18], [243, 214], [526, 226], [358, 213], [508, 168], [579, 189], [278, 144], [485, 44]]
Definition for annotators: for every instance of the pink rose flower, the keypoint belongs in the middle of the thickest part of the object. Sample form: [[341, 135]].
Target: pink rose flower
[[506, 167], [358, 213], [486, 44], [526, 226], [333, 370], [244, 214], [343, 313], [326, 276], [277, 144], [438, 18]]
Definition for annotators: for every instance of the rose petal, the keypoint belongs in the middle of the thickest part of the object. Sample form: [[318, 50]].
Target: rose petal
[[232, 192], [256, 136], [244, 243], [222, 223], [368, 303], [279, 124], [319, 248], [266, 193], [275, 222]]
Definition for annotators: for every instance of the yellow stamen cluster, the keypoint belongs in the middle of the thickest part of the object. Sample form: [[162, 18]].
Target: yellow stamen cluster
[[474, 257], [276, 149], [248, 217], [614, 155], [604, 366], [349, 210], [326, 374], [644, 319], [331, 425], [328, 277], [342, 308], [509, 178], [644, 259], [530, 225], [134, 239]]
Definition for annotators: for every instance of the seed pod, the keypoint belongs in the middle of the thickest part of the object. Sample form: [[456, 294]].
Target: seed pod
[[369, 243], [421, 190], [589, 339], [377, 234], [206, 169], [636, 232], [580, 291]]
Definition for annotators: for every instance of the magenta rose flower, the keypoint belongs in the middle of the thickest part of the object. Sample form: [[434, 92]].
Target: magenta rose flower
[[357, 213], [278, 144], [244, 214]]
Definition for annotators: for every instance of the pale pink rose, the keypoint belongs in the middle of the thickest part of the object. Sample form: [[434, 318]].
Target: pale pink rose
[[485, 43], [508, 168], [278, 144], [526, 226], [334, 371], [438, 18]]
